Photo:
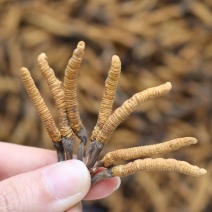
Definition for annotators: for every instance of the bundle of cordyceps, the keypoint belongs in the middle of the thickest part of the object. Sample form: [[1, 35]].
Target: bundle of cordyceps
[[70, 124]]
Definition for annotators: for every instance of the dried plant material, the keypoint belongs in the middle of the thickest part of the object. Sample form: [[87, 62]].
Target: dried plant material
[[59, 98], [70, 81], [43, 111], [146, 34], [60, 151], [149, 164], [108, 95], [41, 107], [128, 107], [158, 164], [57, 93], [118, 116], [66, 103], [92, 153], [142, 151], [201, 11]]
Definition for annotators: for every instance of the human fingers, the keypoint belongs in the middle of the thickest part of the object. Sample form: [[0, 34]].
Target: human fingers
[[103, 188], [55, 188], [17, 159]]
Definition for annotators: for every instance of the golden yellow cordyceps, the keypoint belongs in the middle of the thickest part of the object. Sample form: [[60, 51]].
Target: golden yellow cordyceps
[[108, 95], [119, 115], [70, 123], [70, 82], [59, 98], [142, 151], [149, 164], [43, 111]]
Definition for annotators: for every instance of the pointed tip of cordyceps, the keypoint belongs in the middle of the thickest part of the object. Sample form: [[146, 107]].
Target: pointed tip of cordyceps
[[116, 61], [164, 88], [203, 171], [168, 85], [115, 58], [24, 70], [192, 140], [81, 45], [42, 56]]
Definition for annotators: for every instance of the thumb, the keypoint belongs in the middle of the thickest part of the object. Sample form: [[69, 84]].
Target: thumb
[[54, 188]]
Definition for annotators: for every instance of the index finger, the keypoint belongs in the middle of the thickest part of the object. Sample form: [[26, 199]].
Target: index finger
[[17, 159]]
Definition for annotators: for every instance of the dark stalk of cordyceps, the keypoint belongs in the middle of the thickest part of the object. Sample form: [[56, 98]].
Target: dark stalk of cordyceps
[[60, 150], [43, 111], [119, 115], [70, 81], [59, 98]]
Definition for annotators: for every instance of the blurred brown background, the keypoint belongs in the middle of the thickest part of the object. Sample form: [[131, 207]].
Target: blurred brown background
[[157, 41]]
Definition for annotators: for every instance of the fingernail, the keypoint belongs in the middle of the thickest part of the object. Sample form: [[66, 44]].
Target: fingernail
[[66, 179], [118, 183]]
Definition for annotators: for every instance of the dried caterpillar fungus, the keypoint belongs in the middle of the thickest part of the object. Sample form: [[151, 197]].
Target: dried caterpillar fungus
[[70, 81], [57, 93], [59, 98], [108, 95], [70, 123], [43, 111], [128, 107], [40, 105], [142, 151], [118, 116], [149, 164]]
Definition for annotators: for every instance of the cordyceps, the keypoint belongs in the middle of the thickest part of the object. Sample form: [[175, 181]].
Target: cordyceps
[[70, 123]]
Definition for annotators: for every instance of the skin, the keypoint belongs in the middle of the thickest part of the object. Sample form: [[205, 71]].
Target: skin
[[18, 162]]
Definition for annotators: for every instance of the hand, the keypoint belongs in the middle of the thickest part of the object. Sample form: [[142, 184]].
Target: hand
[[32, 180]]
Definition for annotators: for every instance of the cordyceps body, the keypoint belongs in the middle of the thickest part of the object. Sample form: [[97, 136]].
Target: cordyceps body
[[108, 95], [157, 164], [128, 107], [43, 111], [70, 123], [59, 98], [105, 110], [70, 81], [142, 151], [119, 115], [149, 164]]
